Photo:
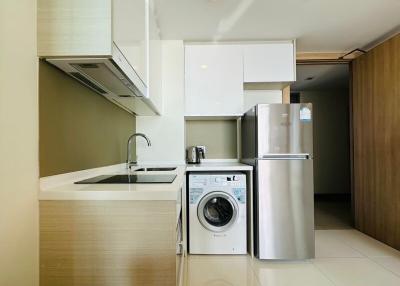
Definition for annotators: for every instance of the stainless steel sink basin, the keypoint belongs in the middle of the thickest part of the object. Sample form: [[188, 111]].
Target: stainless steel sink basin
[[155, 169], [130, 179]]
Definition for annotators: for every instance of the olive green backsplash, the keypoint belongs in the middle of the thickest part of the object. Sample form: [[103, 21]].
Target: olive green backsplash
[[78, 128], [219, 137]]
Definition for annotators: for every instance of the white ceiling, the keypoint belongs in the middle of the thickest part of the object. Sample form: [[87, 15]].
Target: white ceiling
[[325, 77], [318, 25]]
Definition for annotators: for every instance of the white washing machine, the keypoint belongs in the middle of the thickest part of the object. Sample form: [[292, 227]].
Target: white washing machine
[[217, 213]]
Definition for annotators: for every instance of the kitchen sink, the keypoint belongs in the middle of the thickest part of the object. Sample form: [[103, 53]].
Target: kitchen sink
[[129, 179], [155, 169]]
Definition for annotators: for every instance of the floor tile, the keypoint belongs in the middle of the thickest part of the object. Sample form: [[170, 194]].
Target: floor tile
[[391, 263], [289, 273], [364, 244], [330, 246], [344, 258], [212, 270], [356, 272]]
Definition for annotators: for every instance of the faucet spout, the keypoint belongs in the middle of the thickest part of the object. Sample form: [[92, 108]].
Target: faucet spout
[[129, 160]]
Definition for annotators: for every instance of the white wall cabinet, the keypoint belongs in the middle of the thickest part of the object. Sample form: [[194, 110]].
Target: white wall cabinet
[[153, 59], [269, 62], [213, 80], [129, 33], [142, 45], [92, 28], [215, 75]]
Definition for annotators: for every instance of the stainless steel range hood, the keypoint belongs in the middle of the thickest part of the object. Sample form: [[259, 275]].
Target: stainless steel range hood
[[113, 77]]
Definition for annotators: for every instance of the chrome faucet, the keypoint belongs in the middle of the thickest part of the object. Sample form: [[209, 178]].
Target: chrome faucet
[[129, 162]]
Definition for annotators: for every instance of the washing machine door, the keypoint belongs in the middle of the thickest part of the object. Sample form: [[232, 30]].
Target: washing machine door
[[217, 211]]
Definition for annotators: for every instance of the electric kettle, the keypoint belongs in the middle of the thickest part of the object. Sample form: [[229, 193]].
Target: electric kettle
[[195, 153]]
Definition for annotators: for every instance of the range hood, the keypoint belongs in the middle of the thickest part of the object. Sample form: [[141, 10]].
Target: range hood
[[111, 76]]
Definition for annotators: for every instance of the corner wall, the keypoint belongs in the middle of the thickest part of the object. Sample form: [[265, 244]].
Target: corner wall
[[166, 132], [19, 166]]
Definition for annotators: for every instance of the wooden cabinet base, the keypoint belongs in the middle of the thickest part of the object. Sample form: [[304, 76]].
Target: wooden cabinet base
[[107, 243]]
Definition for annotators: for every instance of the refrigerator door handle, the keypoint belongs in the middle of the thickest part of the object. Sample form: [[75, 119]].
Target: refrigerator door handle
[[282, 156]]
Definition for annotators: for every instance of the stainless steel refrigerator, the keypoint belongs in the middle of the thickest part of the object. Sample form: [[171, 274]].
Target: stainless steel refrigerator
[[277, 141]]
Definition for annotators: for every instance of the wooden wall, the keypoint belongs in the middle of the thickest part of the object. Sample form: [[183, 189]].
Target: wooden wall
[[376, 137]]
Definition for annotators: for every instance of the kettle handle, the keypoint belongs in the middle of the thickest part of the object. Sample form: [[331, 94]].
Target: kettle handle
[[201, 150]]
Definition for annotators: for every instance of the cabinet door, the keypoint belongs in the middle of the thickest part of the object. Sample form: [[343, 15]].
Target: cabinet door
[[129, 33], [213, 80], [269, 62]]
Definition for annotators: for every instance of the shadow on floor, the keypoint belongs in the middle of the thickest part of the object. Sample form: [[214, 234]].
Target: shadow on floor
[[333, 212]]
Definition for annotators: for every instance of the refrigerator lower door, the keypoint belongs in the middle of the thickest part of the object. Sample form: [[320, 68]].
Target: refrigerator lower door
[[284, 209]]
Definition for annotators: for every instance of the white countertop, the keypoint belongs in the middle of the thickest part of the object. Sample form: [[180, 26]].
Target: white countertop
[[218, 166], [62, 187]]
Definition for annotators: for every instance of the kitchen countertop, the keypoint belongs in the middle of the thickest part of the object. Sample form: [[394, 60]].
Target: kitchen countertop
[[62, 187], [218, 166], [67, 190]]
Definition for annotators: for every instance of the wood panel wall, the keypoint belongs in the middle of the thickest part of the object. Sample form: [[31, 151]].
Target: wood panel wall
[[376, 137]]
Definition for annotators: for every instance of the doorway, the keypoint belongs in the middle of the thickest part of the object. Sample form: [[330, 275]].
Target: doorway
[[327, 87]]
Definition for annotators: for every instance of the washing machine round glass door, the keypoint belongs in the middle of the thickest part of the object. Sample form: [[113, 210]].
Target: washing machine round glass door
[[217, 211]]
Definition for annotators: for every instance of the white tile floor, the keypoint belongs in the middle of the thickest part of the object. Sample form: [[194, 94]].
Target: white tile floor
[[343, 258]]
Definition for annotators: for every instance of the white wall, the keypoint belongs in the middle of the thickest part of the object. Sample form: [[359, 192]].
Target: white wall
[[253, 97], [166, 132], [18, 144]]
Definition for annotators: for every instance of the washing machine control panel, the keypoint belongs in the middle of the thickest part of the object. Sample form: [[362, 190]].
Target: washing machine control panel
[[234, 184], [229, 181]]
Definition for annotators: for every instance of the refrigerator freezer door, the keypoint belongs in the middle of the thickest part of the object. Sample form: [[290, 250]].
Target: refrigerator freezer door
[[284, 129], [284, 209]]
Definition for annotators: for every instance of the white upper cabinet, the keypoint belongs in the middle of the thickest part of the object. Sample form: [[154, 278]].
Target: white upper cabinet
[[81, 28], [129, 33], [154, 61], [269, 62], [111, 46], [141, 44], [213, 80], [215, 74]]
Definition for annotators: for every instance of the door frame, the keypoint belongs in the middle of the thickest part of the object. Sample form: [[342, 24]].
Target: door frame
[[335, 59]]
